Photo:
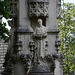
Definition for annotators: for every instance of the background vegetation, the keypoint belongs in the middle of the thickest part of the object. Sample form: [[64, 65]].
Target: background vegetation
[[67, 35], [4, 10]]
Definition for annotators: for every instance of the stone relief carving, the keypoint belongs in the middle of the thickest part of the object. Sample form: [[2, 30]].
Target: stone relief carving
[[13, 12], [50, 58], [8, 64], [13, 59], [13, 8], [57, 43], [38, 8], [58, 9], [27, 61]]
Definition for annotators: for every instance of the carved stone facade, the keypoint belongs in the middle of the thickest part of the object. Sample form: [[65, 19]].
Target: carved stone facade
[[34, 42], [38, 8]]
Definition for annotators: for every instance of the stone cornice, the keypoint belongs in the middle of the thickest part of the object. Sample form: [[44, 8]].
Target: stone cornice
[[31, 31], [53, 30]]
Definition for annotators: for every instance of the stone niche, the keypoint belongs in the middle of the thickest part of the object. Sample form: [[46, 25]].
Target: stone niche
[[38, 8]]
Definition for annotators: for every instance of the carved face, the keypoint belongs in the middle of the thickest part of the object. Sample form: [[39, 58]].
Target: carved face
[[39, 22]]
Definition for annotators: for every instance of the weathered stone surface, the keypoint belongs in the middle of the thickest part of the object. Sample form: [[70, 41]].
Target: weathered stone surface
[[41, 73], [33, 45], [3, 50]]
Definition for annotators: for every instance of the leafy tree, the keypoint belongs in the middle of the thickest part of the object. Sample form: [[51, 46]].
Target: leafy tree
[[4, 10], [67, 34]]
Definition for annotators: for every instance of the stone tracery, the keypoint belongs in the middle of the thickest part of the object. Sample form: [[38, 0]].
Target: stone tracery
[[38, 8]]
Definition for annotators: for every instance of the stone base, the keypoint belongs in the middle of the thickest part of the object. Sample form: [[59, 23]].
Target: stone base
[[41, 74], [41, 69]]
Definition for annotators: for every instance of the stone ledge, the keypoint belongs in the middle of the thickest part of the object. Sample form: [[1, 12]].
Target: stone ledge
[[41, 74], [38, 0], [53, 30], [27, 30]]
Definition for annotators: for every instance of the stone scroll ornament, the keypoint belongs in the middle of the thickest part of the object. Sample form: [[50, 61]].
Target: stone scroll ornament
[[38, 8]]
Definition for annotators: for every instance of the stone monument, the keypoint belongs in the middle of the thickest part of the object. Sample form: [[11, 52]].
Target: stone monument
[[34, 41]]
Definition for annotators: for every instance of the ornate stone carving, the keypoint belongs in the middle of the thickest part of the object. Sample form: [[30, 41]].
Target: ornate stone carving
[[46, 45], [10, 60], [8, 64], [38, 8], [57, 42], [46, 66], [27, 61], [18, 46], [32, 46], [58, 9], [13, 8], [51, 61], [8, 70], [13, 11]]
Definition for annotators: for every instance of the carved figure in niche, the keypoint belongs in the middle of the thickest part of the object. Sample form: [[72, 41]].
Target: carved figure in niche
[[40, 34], [40, 30]]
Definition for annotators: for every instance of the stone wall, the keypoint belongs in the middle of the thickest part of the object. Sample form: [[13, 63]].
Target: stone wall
[[3, 49]]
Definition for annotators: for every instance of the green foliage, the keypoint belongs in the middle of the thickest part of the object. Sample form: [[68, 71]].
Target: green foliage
[[4, 10], [3, 31], [67, 34]]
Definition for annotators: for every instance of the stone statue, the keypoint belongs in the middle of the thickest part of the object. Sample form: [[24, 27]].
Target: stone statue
[[40, 30], [39, 37]]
